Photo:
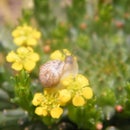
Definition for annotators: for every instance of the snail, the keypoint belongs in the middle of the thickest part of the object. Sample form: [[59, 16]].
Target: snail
[[53, 71]]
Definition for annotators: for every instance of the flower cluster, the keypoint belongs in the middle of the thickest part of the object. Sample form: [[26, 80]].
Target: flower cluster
[[47, 104], [24, 58], [26, 36], [72, 89], [59, 55], [76, 88]]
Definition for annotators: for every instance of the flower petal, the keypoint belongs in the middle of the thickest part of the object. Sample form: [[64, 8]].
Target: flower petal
[[37, 100], [40, 111], [56, 112], [87, 92], [36, 34], [44, 112], [29, 65], [64, 96], [82, 80], [78, 100], [19, 40], [31, 41], [56, 55], [66, 52], [17, 66], [12, 56], [22, 50], [34, 57]]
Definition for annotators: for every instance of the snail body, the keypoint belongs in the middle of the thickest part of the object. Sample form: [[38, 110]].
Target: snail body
[[53, 71]]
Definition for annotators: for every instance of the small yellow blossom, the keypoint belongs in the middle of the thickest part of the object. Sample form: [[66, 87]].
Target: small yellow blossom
[[23, 58], [60, 55], [64, 96], [47, 104], [38, 111], [41, 111], [87, 92], [37, 100], [26, 35], [78, 100], [79, 81], [56, 112], [78, 88]]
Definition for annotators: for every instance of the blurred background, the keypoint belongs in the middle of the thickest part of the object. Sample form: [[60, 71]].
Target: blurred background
[[98, 33]]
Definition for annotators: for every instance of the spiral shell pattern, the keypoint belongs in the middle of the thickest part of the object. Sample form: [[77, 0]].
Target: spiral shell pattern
[[53, 71], [50, 73]]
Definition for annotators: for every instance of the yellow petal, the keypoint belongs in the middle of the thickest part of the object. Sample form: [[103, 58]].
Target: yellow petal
[[12, 56], [56, 112], [27, 28], [44, 112], [22, 50], [31, 42], [87, 92], [56, 55], [17, 66], [34, 57], [30, 49], [36, 34], [37, 100], [18, 32], [15, 33], [78, 100], [40, 111], [82, 80], [20, 40], [66, 52], [29, 65], [64, 96]]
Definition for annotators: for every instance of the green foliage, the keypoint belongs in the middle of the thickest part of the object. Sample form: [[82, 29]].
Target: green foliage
[[85, 117], [42, 13], [102, 48], [76, 12], [23, 94]]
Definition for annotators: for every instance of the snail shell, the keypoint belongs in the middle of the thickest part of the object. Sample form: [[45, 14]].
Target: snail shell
[[52, 71]]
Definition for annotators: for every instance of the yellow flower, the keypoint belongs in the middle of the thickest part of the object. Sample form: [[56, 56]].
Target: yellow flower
[[87, 92], [78, 100], [24, 58], [60, 55], [77, 82], [37, 100], [47, 104], [26, 35], [64, 96], [41, 111], [78, 89], [56, 112]]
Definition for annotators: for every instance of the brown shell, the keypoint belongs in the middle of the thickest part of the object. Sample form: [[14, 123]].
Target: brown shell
[[50, 73]]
